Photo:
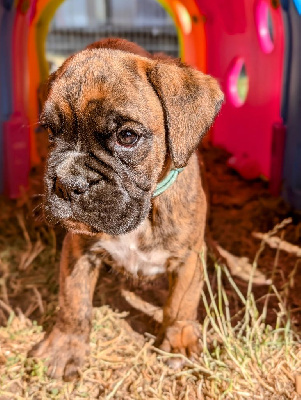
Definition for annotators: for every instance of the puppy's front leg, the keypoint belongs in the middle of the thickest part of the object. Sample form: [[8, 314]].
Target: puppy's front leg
[[68, 342], [179, 332]]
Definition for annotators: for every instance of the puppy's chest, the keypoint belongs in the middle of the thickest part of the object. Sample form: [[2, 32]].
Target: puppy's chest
[[125, 252]]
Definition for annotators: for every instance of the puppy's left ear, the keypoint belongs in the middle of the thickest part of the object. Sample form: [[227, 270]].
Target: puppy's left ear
[[190, 100]]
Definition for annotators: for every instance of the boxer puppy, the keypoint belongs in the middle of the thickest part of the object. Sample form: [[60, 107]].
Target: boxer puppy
[[122, 177]]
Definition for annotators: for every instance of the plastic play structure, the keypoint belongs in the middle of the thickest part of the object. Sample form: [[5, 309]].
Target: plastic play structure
[[253, 47], [292, 103]]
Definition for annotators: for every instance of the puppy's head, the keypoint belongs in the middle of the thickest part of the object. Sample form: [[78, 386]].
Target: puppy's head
[[114, 118]]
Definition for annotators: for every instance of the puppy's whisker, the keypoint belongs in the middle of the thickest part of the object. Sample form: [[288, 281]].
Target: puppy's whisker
[[39, 218], [38, 207]]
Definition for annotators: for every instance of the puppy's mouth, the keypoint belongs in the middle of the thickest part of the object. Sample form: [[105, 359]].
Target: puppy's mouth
[[104, 208], [78, 227]]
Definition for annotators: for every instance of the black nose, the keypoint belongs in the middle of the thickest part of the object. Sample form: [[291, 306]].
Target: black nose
[[65, 189]]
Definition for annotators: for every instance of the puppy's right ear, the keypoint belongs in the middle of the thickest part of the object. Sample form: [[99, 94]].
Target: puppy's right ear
[[190, 101]]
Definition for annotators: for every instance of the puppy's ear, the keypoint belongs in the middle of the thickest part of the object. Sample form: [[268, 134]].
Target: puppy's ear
[[190, 100]]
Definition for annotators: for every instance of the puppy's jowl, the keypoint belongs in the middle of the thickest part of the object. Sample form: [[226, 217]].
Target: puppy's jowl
[[123, 178]]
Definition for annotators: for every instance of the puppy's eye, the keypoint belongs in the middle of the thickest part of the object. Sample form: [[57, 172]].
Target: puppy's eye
[[49, 130], [51, 135], [127, 138]]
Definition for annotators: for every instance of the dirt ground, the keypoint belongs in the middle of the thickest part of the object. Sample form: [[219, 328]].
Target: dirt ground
[[240, 208]]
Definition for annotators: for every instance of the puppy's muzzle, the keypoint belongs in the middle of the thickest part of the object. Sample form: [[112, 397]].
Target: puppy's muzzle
[[74, 186], [70, 181], [93, 194]]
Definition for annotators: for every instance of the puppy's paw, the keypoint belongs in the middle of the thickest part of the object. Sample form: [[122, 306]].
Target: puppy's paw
[[182, 338], [64, 354]]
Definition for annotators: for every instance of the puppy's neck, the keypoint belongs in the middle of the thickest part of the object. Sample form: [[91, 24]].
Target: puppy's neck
[[167, 180]]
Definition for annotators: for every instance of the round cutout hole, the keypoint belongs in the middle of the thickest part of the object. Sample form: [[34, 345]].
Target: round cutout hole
[[238, 82], [265, 27]]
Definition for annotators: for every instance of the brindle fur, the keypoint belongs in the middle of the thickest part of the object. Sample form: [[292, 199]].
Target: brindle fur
[[103, 193]]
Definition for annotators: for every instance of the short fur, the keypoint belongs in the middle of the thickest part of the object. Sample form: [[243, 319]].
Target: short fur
[[101, 190]]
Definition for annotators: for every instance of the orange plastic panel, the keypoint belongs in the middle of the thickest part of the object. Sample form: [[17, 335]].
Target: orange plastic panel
[[42, 13], [190, 24]]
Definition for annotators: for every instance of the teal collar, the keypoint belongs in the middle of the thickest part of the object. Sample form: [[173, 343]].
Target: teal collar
[[167, 182]]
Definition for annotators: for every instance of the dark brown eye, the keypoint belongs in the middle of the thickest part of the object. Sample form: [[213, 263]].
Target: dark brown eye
[[50, 132], [127, 138], [51, 136]]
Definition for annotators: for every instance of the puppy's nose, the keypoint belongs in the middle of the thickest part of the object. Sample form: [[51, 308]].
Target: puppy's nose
[[74, 186]]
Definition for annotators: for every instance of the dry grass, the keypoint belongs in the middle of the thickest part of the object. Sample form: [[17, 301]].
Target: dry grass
[[246, 354], [243, 356]]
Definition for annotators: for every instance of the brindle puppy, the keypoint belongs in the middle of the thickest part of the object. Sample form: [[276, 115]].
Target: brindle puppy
[[119, 121]]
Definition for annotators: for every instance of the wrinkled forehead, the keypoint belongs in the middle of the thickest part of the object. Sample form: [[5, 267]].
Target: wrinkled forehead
[[96, 82]]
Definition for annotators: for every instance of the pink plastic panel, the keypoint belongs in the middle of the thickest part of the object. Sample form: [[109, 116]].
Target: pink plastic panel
[[16, 130], [238, 34]]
